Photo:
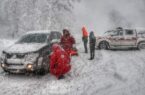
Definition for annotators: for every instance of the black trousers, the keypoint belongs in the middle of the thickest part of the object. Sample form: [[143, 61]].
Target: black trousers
[[92, 52], [85, 46]]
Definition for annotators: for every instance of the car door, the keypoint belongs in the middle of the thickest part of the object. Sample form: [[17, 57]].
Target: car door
[[129, 38]]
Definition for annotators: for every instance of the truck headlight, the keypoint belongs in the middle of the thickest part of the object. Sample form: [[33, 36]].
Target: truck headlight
[[31, 57]]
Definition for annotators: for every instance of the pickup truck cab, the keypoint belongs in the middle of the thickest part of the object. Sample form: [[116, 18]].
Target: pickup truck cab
[[30, 53], [122, 39]]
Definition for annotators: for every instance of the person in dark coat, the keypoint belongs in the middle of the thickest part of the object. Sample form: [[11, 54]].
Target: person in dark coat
[[92, 43], [85, 38]]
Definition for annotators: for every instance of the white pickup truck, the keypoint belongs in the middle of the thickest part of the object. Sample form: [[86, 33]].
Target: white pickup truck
[[122, 39]]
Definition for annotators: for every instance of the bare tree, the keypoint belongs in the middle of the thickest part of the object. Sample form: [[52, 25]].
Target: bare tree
[[25, 15]]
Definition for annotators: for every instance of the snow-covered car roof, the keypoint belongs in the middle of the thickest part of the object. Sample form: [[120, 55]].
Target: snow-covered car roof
[[40, 31]]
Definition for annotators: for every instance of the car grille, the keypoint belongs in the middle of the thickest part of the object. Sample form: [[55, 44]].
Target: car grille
[[19, 56], [15, 64], [9, 55]]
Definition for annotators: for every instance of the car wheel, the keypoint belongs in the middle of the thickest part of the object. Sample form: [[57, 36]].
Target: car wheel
[[103, 45], [141, 45], [45, 65], [6, 71]]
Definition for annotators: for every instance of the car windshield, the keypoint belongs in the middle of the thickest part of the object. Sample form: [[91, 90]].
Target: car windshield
[[34, 38]]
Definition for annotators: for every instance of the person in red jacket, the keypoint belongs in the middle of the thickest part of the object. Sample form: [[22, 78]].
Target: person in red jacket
[[67, 42], [85, 38], [59, 62]]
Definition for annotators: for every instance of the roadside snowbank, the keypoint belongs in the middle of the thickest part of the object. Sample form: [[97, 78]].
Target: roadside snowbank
[[4, 43]]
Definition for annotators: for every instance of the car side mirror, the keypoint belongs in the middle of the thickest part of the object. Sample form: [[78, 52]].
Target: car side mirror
[[55, 41]]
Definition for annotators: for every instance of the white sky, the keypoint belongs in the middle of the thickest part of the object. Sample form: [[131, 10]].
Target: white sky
[[95, 14]]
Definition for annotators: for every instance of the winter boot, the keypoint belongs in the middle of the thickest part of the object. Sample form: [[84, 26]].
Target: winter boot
[[91, 58], [61, 77]]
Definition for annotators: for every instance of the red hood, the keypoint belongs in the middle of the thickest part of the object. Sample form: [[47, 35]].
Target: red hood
[[56, 47]]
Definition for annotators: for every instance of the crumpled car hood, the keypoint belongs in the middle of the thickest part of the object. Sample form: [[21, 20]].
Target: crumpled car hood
[[24, 48]]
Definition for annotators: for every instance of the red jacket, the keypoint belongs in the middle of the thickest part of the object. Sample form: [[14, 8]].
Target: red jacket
[[67, 42], [84, 32], [59, 61]]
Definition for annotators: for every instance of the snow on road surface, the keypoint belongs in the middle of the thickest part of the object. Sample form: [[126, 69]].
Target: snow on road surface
[[111, 73]]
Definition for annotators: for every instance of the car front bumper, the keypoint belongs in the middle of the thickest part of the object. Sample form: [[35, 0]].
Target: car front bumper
[[19, 68]]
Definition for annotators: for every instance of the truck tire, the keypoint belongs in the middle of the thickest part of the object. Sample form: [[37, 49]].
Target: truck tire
[[103, 45], [141, 45]]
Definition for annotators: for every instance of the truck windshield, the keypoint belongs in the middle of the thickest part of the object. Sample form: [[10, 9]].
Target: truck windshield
[[114, 33], [33, 38], [111, 33]]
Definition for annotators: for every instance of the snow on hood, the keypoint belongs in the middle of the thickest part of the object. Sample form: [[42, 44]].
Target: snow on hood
[[24, 48]]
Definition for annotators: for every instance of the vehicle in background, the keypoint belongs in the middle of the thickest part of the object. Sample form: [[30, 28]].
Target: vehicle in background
[[122, 39], [30, 53]]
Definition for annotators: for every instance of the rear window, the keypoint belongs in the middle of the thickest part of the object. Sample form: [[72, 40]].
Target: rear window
[[129, 32], [141, 34]]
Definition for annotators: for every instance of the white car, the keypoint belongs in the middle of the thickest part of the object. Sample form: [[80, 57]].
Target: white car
[[121, 39], [30, 53]]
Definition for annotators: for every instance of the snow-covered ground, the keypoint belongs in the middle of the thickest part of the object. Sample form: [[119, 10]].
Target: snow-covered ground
[[111, 73]]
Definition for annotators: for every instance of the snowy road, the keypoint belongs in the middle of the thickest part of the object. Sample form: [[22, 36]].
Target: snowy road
[[111, 73]]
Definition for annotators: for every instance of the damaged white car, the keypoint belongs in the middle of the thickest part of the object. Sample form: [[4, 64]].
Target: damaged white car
[[30, 53]]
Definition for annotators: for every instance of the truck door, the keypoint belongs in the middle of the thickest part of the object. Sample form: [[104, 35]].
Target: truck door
[[129, 38], [115, 38]]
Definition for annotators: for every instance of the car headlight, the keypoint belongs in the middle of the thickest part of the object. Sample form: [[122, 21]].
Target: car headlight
[[29, 66], [31, 57], [2, 65], [2, 57]]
